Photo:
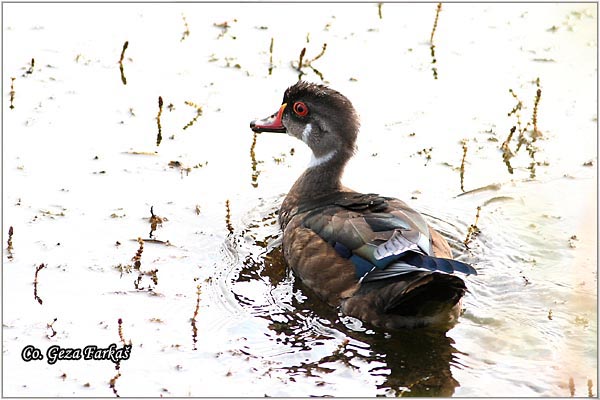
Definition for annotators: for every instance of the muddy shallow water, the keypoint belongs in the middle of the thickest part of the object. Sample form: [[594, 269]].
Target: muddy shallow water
[[207, 302]]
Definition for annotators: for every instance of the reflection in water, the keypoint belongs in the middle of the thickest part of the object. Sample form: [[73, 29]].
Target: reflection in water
[[411, 362], [255, 172]]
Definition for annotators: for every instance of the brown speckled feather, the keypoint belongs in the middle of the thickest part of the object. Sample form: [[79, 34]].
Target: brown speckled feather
[[315, 262]]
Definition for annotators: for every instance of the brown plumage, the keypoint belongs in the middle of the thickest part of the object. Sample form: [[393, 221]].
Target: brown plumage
[[373, 256]]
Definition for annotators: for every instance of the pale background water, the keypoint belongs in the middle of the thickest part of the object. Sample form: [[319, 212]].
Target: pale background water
[[73, 188]]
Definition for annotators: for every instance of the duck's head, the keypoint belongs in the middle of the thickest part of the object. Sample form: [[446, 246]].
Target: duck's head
[[319, 116]]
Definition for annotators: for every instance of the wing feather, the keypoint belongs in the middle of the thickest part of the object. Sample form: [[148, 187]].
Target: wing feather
[[381, 236]]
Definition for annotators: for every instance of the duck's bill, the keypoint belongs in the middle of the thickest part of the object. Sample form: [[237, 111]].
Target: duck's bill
[[269, 124]]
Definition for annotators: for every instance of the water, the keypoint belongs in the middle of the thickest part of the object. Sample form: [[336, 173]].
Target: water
[[81, 170]]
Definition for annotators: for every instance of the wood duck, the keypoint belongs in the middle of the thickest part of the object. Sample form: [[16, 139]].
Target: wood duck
[[373, 256]]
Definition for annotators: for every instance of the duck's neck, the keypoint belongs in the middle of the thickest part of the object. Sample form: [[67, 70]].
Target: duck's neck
[[321, 178]]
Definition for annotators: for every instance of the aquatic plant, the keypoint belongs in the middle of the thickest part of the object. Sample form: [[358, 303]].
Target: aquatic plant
[[50, 325], [473, 229], [198, 113], [308, 64], [35, 283], [186, 32], [121, 68], [12, 93], [160, 108], [9, 243], [155, 221], [526, 136], [195, 315], [271, 56], [431, 45], [228, 217], [462, 165]]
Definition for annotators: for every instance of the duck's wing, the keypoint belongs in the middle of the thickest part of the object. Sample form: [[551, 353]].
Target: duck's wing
[[381, 236]]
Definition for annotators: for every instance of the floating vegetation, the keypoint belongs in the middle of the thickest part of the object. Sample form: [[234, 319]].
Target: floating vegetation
[[550, 314], [229, 63], [153, 277], [425, 152], [123, 79], [255, 171], [543, 59], [186, 33], [12, 93], [522, 139], [155, 221], [228, 217], [379, 10], [52, 214], [224, 28], [590, 386], [271, 56], [193, 322], [198, 113], [462, 166], [137, 266], [280, 159], [308, 64], [50, 325], [160, 108], [9, 244], [29, 70], [35, 283], [141, 153], [431, 45], [473, 230], [572, 241], [187, 170]]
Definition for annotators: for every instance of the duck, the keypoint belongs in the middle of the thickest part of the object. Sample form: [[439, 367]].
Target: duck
[[371, 255]]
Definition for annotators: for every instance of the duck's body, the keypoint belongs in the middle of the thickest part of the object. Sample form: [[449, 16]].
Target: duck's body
[[372, 255]]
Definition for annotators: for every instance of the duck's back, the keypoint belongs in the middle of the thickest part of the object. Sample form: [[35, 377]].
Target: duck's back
[[374, 256]]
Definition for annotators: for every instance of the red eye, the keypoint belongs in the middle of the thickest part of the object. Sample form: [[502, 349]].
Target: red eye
[[300, 109]]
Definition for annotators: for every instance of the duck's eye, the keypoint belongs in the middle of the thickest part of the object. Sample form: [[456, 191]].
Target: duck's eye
[[300, 109]]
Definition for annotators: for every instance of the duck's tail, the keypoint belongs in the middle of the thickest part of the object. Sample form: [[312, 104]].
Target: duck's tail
[[417, 299]]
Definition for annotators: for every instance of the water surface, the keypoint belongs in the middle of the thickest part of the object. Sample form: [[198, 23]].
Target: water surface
[[212, 309]]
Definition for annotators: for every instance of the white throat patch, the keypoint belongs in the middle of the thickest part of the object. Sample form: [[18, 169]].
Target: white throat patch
[[316, 161], [306, 133]]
